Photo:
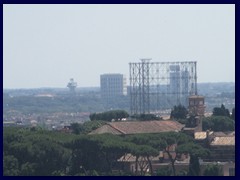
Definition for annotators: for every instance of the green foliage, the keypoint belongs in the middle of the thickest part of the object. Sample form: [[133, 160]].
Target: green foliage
[[89, 126], [161, 141], [104, 149], [194, 166], [182, 173], [146, 117], [221, 111], [109, 115], [36, 152], [40, 152], [195, 152], [164, 171], [218, 123], [10, 166], [28, 169], [86, 127], [31, 104], [191, 122], [179, 112], [213, 170], [193, 149], [76, 128]]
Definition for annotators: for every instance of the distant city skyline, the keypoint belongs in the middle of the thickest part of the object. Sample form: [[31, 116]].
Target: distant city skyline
[[46, 45]]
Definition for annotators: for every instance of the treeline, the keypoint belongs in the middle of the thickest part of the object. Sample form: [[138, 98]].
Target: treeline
[[86, 127], [36, 152], [62, 103], [220, 120], [116, 115], [32, 104], [146, 117]]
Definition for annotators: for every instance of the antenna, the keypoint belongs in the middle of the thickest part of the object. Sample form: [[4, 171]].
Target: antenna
[[72, 85]]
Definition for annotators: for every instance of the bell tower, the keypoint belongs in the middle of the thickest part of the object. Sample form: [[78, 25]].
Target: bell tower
[[196, 109], [196, 105]]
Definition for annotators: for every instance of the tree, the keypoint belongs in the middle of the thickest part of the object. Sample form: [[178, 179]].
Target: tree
[[213, 170], [36, 152], [218, 123], [221, 111], [165, 171], [179, 112], [10, 166], [89, 126], [77, 128], [148, 145], [176, 139], [28, 169], [194, 166], [105, 149], [191, 121], [142, 154], [109, 115], [146, 117], [166, 142], [195, 152]]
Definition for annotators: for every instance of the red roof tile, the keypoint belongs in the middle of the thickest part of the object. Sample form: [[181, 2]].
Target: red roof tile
[[135, 127]]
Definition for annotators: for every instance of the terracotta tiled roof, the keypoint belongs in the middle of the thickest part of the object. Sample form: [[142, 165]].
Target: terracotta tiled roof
[[223, 141], [212, 135], [218, 134], [106, 129], [135, 127]]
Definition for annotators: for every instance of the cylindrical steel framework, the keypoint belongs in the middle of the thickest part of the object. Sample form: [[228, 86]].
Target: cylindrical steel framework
[[155, 86]]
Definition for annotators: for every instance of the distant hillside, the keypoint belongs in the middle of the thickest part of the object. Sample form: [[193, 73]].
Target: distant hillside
[[211, 89]]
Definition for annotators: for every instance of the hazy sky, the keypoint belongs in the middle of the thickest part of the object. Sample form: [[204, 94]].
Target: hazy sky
[[46, 45]]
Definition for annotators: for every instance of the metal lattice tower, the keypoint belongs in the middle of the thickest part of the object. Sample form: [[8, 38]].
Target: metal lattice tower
[[156, 86]]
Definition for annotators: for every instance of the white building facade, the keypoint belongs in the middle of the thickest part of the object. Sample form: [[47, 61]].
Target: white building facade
[[113, 85]]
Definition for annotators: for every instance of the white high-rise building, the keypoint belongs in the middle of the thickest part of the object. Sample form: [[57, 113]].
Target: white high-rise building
[[113, 85], [175, 79]]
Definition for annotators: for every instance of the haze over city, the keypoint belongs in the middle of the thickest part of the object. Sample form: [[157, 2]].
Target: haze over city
[[46, 45]]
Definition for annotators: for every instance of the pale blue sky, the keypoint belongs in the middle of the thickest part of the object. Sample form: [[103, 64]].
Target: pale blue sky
[[46, 45]]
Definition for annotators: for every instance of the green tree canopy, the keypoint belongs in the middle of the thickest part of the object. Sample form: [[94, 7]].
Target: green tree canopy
[[218, 123], [109, 115], [146, 117], [36, 152], [195, 152], [213, 170], [10, 166], [221, 111], [86, 127], [179, 112]]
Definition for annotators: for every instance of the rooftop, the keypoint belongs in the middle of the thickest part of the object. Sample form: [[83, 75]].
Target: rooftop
[[203, 135], [223, 141], [195, 96], [135, 127]]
